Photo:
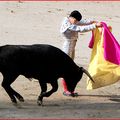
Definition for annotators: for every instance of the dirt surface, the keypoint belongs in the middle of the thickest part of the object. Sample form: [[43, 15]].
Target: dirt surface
[[39, 22]]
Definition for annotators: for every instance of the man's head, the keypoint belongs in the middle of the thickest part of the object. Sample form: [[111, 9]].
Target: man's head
[[75, 16]]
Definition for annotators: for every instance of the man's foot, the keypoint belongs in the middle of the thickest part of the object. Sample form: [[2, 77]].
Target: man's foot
[[67, 93], [75, 94]]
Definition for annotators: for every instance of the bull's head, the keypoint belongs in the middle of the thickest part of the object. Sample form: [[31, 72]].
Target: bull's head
[[76, 77]]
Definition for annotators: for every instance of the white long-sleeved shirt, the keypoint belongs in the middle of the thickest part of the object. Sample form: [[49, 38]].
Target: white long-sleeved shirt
[[70, 31]]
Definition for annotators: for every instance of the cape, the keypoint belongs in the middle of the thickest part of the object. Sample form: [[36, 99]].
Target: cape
[[104, 64]]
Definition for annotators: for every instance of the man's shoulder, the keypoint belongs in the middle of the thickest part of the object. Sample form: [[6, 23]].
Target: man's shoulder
[[65, 25], [65, 20]]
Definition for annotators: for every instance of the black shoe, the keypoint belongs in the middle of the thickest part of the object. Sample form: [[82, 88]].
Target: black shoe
[[75, 94], [67, 93]]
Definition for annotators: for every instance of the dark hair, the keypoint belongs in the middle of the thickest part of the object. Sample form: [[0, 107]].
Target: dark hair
[[76, 14]]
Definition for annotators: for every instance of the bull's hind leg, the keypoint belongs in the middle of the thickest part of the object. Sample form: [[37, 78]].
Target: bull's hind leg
[[54, 85], [7, 81], [18, 96]]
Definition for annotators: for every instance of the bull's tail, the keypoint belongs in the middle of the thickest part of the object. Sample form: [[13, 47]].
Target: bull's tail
[[88, 74]]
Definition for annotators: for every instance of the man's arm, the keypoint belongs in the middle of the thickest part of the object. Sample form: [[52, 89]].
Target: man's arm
[[84, 28]]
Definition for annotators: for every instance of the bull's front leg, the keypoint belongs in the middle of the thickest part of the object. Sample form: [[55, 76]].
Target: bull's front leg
[[47, 94], [43, 90]]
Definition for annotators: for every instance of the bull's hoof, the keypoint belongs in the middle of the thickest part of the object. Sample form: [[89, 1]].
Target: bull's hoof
[[14, 101], [39, 102], [21, 99]]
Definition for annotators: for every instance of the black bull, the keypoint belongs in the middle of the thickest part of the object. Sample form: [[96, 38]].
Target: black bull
[[42, 62]]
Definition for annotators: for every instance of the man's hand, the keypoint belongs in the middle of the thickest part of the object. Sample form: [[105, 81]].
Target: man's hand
[[98, 24]]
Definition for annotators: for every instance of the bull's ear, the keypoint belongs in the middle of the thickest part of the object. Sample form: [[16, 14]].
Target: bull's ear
[[81, 69]]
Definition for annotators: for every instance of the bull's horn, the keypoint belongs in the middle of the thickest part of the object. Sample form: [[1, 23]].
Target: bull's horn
[[88, 74]]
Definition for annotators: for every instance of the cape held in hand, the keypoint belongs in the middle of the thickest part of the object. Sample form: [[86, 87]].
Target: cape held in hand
[[104, 65]]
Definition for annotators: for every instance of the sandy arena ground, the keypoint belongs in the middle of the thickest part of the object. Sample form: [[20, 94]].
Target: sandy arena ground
[[39, 22]]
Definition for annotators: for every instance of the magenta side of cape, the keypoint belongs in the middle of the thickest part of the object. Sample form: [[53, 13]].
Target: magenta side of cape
[[111, 46], [91, 43]]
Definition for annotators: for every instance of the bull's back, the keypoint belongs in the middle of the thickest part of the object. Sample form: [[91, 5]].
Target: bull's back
[[35, 58], [38, 54], [27, 52]]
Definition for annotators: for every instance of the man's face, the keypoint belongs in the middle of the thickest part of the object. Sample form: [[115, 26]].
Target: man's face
[[73, 20]]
